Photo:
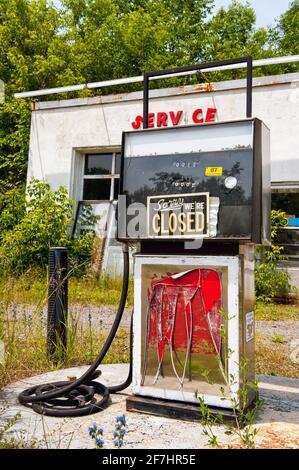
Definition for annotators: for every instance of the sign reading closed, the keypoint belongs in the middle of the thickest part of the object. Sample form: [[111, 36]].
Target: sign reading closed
[[178, 216]]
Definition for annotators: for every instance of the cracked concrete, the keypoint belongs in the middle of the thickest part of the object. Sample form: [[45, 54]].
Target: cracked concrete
[[277, 421]]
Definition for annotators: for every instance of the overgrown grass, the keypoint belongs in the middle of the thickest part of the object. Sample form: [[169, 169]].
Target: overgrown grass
[[31, 288], [275, 312], [25, 346], [274, 361], [24, 335]]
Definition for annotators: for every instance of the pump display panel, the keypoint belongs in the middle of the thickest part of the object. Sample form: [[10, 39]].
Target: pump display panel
[[208, 181]]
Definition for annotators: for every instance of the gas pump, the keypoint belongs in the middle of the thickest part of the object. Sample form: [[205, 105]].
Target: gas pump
[[194, 201], [194, 301], [193, 327]]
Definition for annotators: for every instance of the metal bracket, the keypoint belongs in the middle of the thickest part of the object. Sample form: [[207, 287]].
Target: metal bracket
[[180, 71]]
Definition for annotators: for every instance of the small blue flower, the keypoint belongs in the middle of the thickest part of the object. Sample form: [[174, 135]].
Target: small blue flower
[[118, 442], [115, 434], [91, 431], [122, 432], [99, 442], [100, 430], [118, 426], [121, 419]]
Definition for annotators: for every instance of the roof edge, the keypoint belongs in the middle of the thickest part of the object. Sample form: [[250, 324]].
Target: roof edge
[[163, 92]]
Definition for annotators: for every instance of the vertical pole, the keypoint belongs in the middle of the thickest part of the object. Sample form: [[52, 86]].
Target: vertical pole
[[57, 303], [145, 101], [249, 88]]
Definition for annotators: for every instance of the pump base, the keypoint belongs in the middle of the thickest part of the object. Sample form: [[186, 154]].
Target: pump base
[[173, 409]]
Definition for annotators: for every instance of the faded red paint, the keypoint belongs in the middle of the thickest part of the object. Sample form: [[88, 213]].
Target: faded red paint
[[197, 294]]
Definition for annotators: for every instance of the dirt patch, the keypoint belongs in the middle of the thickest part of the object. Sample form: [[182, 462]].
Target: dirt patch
[[279, 435], [276, 347], [288, 329]]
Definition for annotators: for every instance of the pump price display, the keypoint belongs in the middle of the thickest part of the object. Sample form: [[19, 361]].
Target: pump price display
[[178, 216]]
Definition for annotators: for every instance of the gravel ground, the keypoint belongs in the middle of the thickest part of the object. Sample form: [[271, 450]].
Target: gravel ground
[[103, 317], [287, 328]]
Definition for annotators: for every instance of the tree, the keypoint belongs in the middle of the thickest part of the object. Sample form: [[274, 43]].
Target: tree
[[232, 33], [43, 46], [285, 35], [34, 54], [128, 38], [284, 38]]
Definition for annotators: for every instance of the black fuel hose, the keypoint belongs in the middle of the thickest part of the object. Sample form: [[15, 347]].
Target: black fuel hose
[[77, 398]]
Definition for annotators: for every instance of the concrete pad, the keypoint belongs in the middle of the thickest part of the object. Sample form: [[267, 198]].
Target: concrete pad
[[278, 421]]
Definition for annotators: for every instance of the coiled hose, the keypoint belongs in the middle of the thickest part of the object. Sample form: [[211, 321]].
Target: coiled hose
[[78, 397]]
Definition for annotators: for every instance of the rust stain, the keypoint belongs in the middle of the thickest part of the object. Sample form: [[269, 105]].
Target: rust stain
[[200, 87], [204, 87]]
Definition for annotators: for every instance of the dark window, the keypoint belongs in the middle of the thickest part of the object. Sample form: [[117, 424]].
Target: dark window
[[101, 176], [287, 202], [98, 164], [97, 189]]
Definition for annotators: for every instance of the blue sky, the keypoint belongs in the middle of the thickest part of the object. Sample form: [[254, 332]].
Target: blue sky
[[266, 10]]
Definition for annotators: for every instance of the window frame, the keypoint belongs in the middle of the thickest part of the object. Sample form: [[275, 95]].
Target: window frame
[[112, 177]]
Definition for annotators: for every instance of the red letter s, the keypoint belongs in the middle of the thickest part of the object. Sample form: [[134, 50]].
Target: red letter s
[[137, 123]]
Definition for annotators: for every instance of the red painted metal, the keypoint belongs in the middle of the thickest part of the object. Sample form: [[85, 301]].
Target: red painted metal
[[184, 312]]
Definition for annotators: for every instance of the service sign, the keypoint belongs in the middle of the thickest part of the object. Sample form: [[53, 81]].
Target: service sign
[[178, 216]]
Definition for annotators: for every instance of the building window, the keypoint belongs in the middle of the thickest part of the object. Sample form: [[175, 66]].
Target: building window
[[101, 176], [289, 203]]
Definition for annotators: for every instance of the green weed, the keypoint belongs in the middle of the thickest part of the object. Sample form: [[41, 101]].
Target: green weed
[[279, 339]]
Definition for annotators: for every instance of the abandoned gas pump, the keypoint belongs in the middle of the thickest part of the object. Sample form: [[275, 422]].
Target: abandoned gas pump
[[195, 200]]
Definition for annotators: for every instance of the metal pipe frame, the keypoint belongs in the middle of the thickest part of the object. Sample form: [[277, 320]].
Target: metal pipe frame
[[196, 68], [139, 78]]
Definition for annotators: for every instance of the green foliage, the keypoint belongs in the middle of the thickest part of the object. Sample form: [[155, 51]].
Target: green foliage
[[12, 207], [33, 54], [281, 339], [271, 282], [32, 286], [241, 427], [285, 34], [45, 222], [231, 33], [44, 45], [14, 142]]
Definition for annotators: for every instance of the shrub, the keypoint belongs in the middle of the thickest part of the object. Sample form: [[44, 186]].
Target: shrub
[[270, 282], [45, 221], [12, 207]]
